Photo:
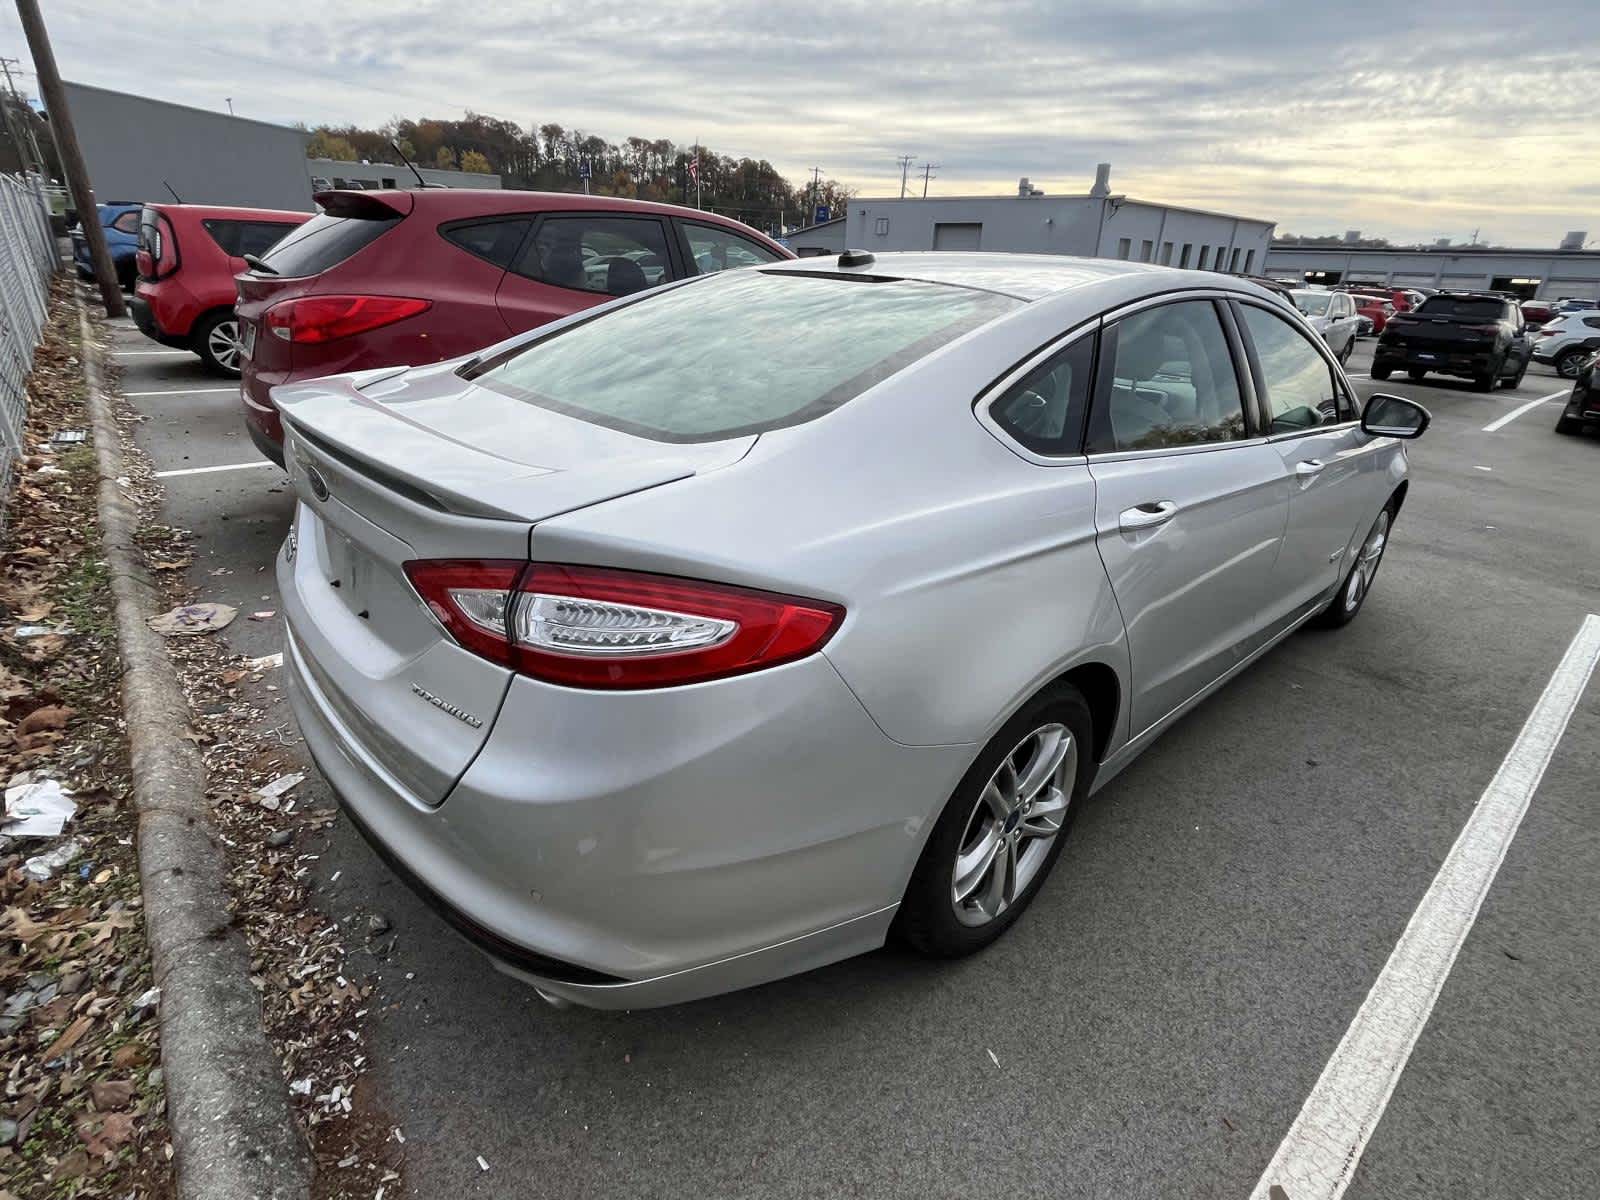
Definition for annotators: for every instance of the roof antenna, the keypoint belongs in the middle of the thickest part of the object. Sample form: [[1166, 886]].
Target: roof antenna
[[421, 182], [173, 190]]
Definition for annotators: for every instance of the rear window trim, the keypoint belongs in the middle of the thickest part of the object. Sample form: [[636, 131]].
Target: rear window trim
[[444, 229], [302, 229]]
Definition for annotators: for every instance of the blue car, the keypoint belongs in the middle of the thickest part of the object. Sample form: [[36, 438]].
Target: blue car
[[120, 220]]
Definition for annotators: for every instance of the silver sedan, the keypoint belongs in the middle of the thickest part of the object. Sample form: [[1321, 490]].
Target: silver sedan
[[730, 628]]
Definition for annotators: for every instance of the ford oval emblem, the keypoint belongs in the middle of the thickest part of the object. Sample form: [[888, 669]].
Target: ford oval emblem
[[319, 485]]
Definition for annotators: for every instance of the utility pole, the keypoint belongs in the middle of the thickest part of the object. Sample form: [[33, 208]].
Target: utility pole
[[816, 192], [229, 101], [905, 167], [928, 169], [55, 102]]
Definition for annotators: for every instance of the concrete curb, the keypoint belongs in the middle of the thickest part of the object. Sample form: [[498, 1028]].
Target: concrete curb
[[233, 1129]]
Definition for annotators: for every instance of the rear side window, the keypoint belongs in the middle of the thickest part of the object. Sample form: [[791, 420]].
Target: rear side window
[[1466, 306], [720, 358], [1044, 409], [497, 241], [714, 249], [1167, 379], [127, 222], [615, 256], [324, 242], [238, 238]]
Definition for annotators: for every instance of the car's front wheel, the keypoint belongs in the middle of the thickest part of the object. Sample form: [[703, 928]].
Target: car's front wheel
[[1352, 593], [216, 341], [1002, 830]]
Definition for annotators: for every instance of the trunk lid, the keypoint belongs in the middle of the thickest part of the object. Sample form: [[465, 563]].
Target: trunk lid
[[1458, 325], [393, 465]]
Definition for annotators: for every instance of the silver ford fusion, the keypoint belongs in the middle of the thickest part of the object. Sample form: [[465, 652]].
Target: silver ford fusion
[[728, 629]]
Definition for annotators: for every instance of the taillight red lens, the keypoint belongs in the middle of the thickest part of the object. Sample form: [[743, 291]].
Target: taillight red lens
[[144, 263], [313, 319], [595, 627]]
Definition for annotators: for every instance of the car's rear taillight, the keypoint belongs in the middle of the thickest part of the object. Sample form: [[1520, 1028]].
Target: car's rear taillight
[[594, 627], [144, 263], [324, 318]]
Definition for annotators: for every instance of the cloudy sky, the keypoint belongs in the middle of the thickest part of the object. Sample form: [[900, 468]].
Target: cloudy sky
[[1410, 120]]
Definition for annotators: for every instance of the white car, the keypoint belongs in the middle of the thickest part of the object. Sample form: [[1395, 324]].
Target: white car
[[1568, 341], [1334, 316]]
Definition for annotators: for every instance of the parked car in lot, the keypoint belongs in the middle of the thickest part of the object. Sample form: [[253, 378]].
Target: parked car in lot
[[1374, 310], [1583, 406], [397, 277], [1537, 312], [666, 655], [1567, 341], [188, 255], [120, 220], [1472, 334], [1404, 299], [1333, 315]]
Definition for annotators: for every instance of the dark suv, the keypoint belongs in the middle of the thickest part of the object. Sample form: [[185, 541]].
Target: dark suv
[[1473, 334], [399, 278]]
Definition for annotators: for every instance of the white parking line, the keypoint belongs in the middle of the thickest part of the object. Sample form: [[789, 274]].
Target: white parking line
[[1502, 422], [136, 353], [249, 466], [1325, 1143], [186, 391]]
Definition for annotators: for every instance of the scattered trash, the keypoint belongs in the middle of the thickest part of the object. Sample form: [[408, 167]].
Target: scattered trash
[[482, 1166], [41, 866], [377, 925], [265, 663], [280, 785], [280, 837], [204, 617], [37, 809], [300, 1087], [993, 1059], [68, 437], [1476, 467], [147, 999], [266, 614], [23, 632]]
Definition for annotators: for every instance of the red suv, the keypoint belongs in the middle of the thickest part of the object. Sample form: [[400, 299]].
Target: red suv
[[404, 278], [1374, 308], [187, 257]]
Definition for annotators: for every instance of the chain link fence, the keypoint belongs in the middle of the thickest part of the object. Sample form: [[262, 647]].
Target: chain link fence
[[27, 261]]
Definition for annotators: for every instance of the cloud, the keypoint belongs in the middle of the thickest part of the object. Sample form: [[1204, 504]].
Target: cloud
[[1411, 121]]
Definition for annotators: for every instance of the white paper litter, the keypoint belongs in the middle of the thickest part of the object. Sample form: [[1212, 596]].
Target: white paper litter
[[41, 866], [265, 662], [24, 632], [38, 809], [280, 785], [993, 1058], [301, 1087], [482, 1166]]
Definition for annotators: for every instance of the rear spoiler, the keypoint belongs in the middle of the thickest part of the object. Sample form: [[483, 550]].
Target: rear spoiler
[[366, 206]]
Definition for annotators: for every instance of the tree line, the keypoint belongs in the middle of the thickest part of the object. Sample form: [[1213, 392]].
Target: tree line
[[552, 158]]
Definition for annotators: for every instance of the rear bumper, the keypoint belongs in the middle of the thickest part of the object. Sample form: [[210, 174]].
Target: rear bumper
[[1451, 362], [261, 420], [1582, 405], [628, 850], [145, 319]]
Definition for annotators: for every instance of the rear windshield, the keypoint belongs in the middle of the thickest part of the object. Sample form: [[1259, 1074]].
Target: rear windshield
[[741, 353], [1313, 304], [1464, 306], [325, 241]]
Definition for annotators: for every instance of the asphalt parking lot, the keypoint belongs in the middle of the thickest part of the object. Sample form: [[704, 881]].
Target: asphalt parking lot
[[1158, 1019]]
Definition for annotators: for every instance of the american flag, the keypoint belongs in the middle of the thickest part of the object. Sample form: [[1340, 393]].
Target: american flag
[[694, 168]]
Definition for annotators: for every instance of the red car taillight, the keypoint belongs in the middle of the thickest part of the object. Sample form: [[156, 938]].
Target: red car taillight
[[325, 318], [595, 627], [144, 263]]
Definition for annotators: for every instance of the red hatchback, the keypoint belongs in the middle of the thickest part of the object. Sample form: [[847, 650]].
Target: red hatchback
[[404, 278], [187, 257], [1375, 308]]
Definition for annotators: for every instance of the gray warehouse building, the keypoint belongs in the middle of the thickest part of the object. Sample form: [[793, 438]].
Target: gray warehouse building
[[142, 149], [1531, 274], [1097, 225], [362, 176]]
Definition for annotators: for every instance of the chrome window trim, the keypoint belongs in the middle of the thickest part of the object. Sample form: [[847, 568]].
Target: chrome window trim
[[1315, 429], [1108, 456], [997, 390]]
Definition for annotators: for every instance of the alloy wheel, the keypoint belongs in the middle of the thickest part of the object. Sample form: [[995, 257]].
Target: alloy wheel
[[1570, 365], [1361, 575], [223, 342], [1017, 818]]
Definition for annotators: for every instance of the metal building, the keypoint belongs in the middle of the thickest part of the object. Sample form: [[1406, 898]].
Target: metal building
[[1098, 224], [1531, 274], [143, 149]]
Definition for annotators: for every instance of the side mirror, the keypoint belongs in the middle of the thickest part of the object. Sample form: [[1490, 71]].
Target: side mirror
[[1394, 416]]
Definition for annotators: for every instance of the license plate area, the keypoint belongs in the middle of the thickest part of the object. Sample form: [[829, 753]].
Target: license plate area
[[349, 571], [247, 338]]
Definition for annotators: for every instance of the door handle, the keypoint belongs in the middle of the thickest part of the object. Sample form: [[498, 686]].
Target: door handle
[[1148, 515], [1308, 467]]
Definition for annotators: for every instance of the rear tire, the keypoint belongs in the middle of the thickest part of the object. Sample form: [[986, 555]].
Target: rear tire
[[216, 341], [1516, 380], [935, 917], [1416, 374], [1568, 425], [1379, 373], [1486, 382]]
